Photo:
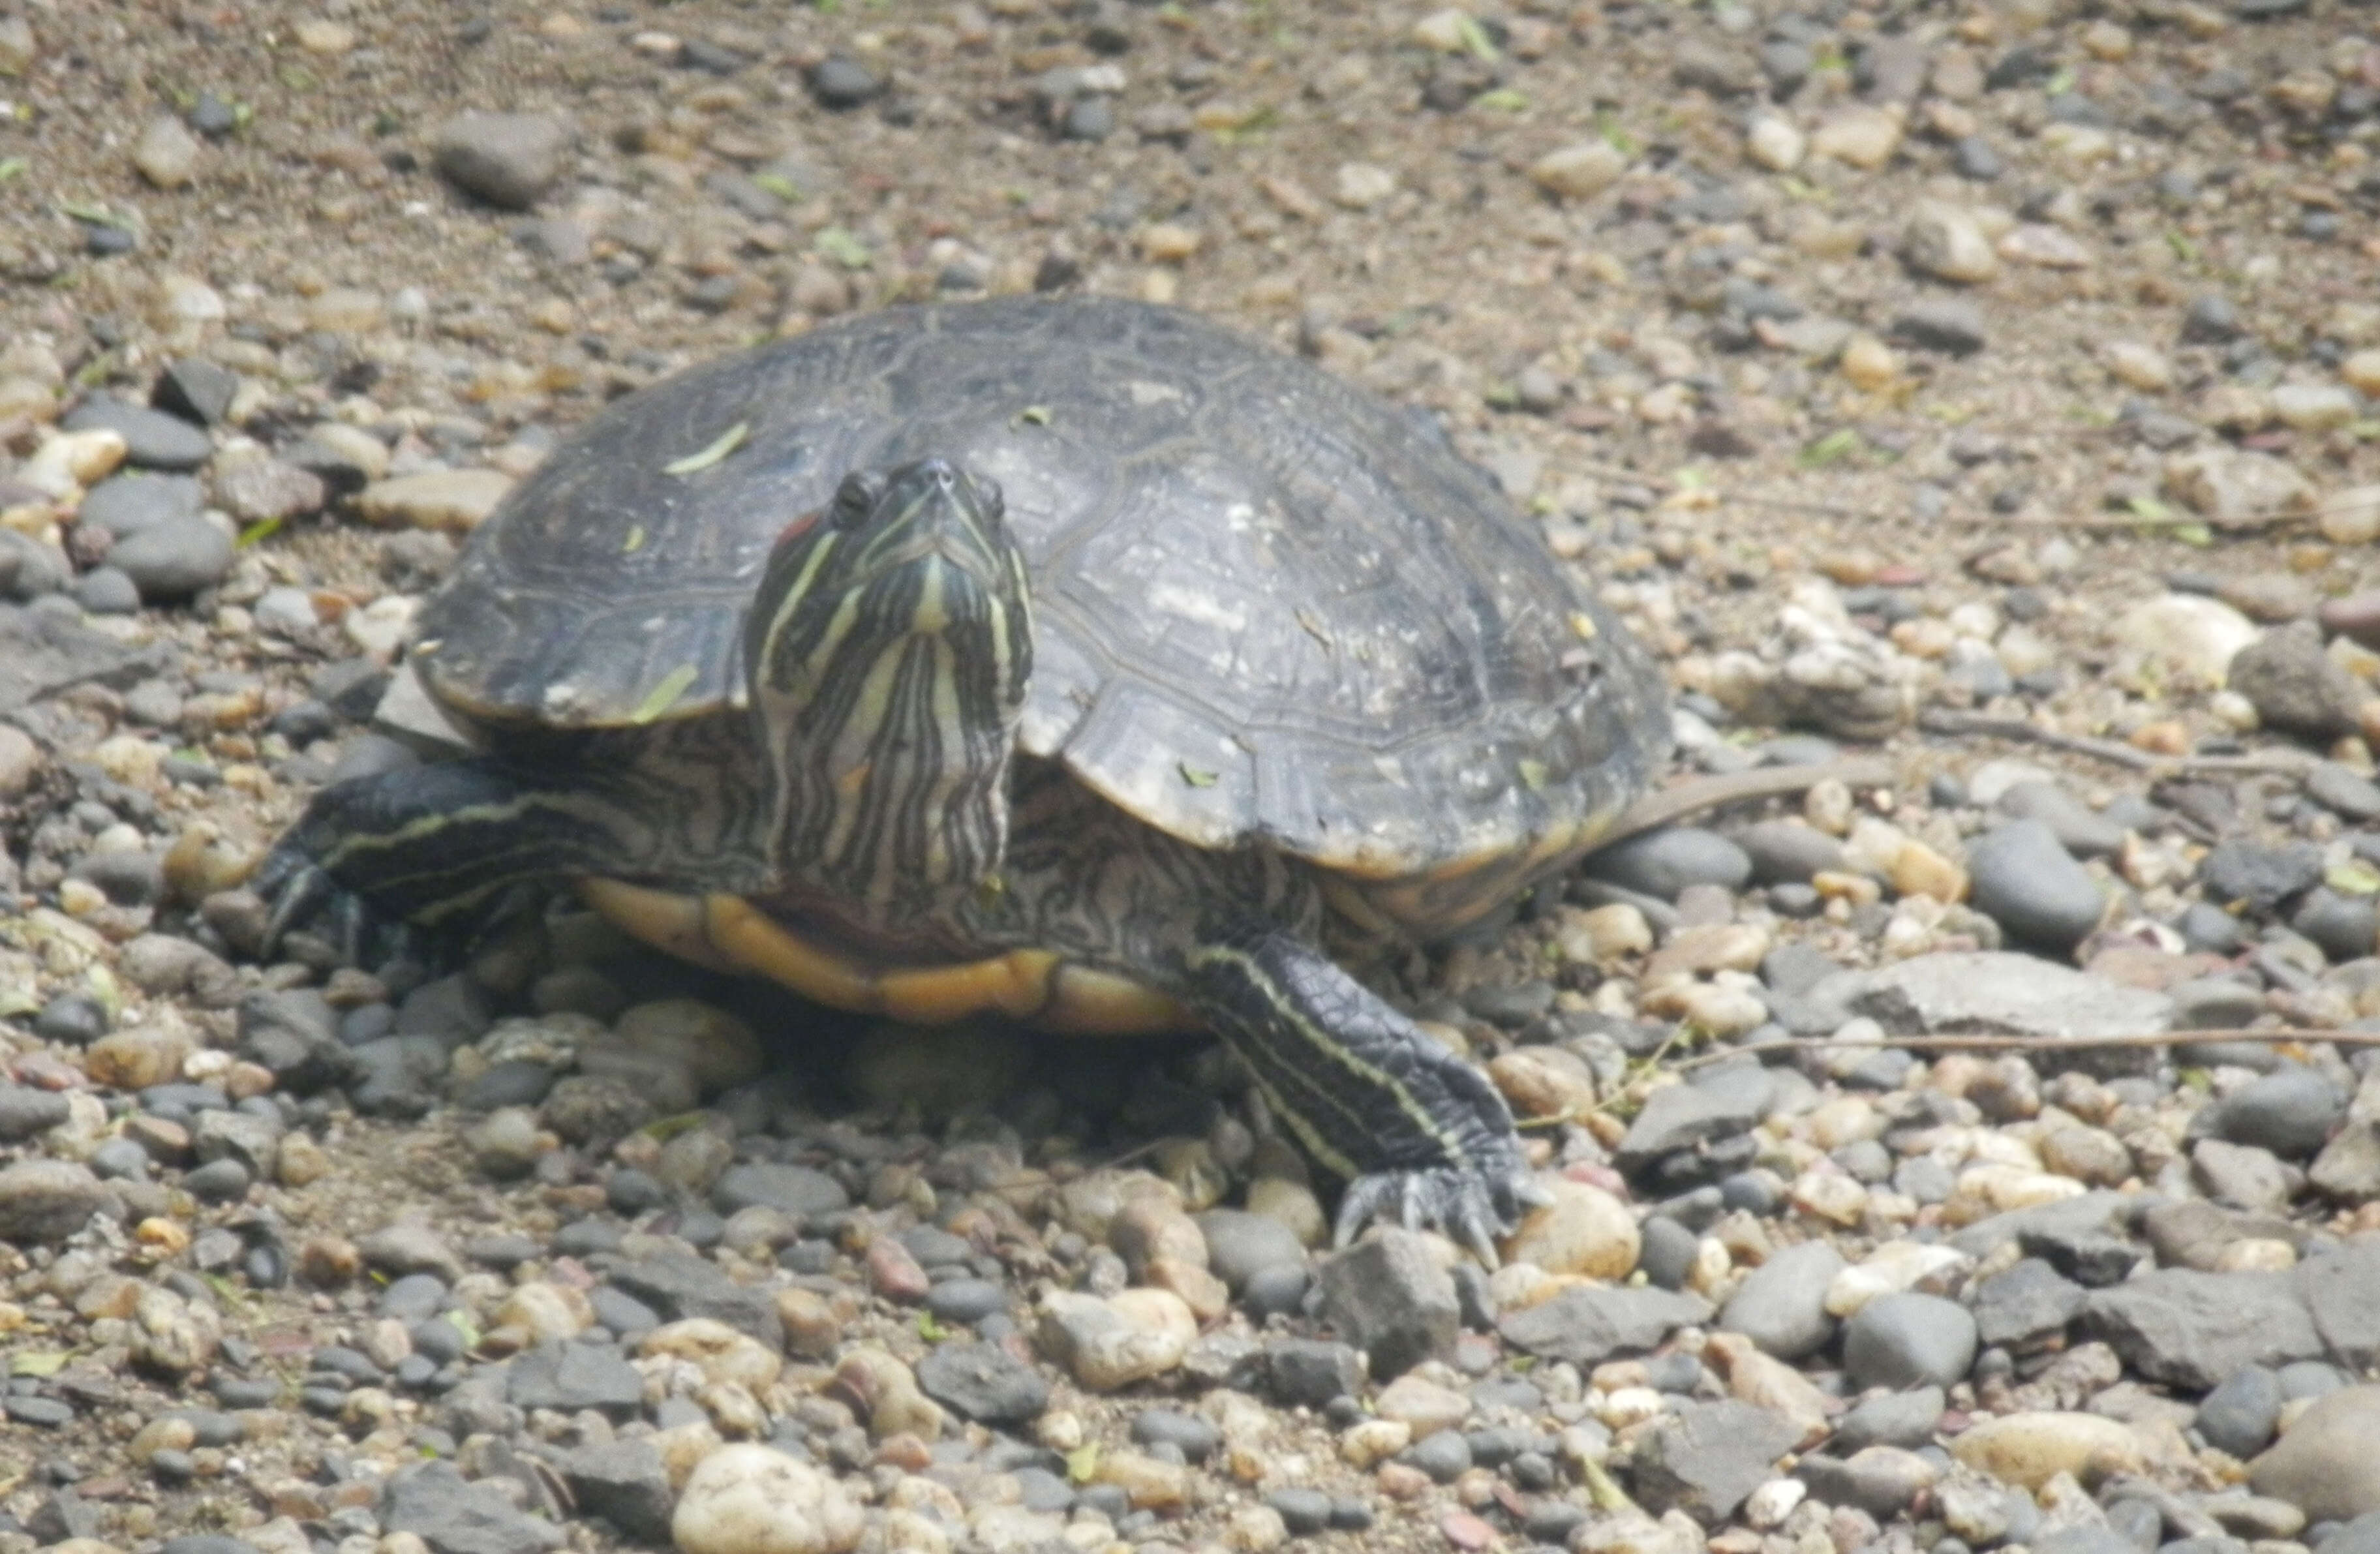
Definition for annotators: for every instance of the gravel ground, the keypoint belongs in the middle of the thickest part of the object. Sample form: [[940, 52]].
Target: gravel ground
[[1986, 390]]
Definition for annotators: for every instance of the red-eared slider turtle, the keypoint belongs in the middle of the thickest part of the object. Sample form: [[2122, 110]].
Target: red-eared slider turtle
[[1075, 658]]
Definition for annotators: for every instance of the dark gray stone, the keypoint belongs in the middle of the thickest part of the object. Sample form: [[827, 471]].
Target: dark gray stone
[[2242, 1414], [2023, 878], [2026, 1306], [1721, 1104], [1903, 1419], [26, 1112], [1663, 863], [153, 439], [454, 1516], [624, 1482], [174, 558], [1310, 1372], [43, 653], [1588, 1326], [2190, 1329], [983, 1382], [570, 1377], [679, 1285], [2341, 1291], [1781, 1304], [2290, 1112], [1952, 325], [1708, 1457], [195, 389], [124, 504], [295, 1035], [2258, 877], [1391, 1299], [1909, 1340]]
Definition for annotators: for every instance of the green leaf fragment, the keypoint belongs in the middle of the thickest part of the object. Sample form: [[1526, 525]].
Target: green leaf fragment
[[257, 533], [95, 215], [2149, 508], [662, 697], [844, 247], [1033, 415], [2352, 878], [1198, 777], [38, 1362], [1504, 99], [1083, 1461], [636, 540], [2197, 536], [779, 185], [727, 442], [1474, 39], [11, 166], [929, 1329], [1831, 449]]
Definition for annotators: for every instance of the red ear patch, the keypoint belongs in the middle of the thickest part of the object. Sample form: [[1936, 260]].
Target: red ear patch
[[800, 526]]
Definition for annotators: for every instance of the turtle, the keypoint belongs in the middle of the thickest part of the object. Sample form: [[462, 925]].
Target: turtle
[[1075, 660]]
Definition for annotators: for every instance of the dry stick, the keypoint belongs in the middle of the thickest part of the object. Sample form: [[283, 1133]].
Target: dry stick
[[1697, 794], [2283, 763], [1974, 1043]]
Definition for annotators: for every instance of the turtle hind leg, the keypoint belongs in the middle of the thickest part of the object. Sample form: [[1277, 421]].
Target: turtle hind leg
[[377, 860], [1419, 1134]]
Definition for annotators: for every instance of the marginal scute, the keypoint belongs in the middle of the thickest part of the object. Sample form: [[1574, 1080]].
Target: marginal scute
[[1268, 610]]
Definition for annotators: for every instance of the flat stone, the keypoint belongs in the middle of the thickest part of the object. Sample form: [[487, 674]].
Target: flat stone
[[680, 1285], [983, 1382], [123, 504], [1391, 1298], [2341, 1290], [2026, 1306], [1707, 1458], [1587, 1326], [2000, 993], [441, 499], [2190, 1329], [624, 1482], [153, 439], [436, 1503], [569, 1377], [174, 558]]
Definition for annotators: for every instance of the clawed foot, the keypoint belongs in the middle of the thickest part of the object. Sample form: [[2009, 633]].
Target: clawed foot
[[1471, 1205], [304, 899]]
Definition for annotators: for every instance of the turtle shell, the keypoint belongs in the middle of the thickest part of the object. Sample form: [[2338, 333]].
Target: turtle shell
[[1268, 610]]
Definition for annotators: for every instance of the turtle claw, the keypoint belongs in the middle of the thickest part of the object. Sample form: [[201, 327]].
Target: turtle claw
[[304, 900], [1471, 1206]]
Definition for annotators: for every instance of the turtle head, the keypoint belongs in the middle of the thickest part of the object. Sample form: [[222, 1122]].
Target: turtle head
[[888, 648]]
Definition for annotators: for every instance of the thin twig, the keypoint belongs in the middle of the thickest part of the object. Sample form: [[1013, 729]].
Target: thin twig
[[2272, 1036], [2282, 764], [1697, 794]]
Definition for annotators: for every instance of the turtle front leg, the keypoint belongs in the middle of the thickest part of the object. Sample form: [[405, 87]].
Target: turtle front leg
[[1417, 1132], [432, 846]]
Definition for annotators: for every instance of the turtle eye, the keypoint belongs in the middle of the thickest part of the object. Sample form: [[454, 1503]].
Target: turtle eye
[[855, 498], [987, 490]]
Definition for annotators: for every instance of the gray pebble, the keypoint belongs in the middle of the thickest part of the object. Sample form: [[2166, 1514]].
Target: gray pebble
[[123, 504], [2029, 884], [983, 1382], [1303, 1511], [1663, 863], [1954, 325], [2290, 1112], [839, 81], [2345, 927], [1902, 1419], [1787, 851], [107, 590], [1909, 1340], [2243, 1411], [2258, 876], [153, 439], [174, 558], [195, 389], [1445, 1456], [1194, 1437], [508, 160], [2342, 791], [965, 1300], [1781, 1306]]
